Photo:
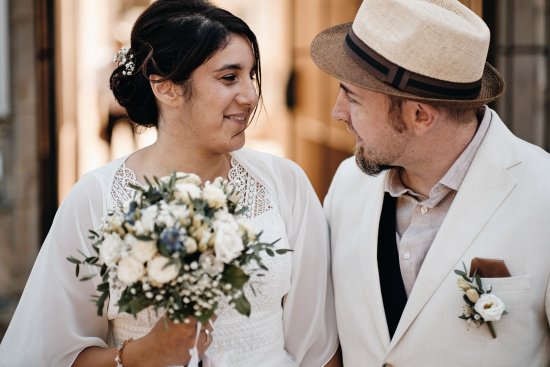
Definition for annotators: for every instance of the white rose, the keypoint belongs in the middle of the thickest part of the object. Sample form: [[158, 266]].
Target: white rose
[[214, 196], [210, 264], [159, 272], [185, 190], [180, 212], [490, 307], [142, 251], [148, 217], [165, 217], [130, 270], [228, 244], [110, 249]]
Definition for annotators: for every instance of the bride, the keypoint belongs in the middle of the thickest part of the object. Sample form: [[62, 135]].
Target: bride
[[193, 72]]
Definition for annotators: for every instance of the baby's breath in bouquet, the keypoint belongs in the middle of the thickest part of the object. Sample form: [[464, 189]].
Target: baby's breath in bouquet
[[177, 246]]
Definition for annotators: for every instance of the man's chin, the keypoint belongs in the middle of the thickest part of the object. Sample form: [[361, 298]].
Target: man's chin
[[369, 167]]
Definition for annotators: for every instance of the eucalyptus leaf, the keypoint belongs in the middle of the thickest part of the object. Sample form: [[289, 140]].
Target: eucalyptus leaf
[[242, 306]]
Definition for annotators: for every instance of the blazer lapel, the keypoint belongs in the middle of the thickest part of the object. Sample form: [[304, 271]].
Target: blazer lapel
[[368, 240], [484, 188]]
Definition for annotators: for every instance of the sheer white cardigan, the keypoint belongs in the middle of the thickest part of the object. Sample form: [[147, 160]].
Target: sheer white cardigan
[[55, 318]]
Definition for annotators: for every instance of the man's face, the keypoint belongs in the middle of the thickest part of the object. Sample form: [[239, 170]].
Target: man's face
[[381, 134]]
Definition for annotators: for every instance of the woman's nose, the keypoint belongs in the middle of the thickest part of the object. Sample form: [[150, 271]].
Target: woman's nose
[[248, 94]]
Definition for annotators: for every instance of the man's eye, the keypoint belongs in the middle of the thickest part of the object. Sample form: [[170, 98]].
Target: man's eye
[[351, 100]]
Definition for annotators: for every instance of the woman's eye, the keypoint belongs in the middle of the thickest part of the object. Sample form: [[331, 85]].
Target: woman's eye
[[229, 78]]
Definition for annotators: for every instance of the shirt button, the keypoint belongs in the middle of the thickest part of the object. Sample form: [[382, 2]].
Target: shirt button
[[407, 255], [423, 210]]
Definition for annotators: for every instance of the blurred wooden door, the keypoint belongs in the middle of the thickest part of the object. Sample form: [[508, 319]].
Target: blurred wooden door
[[319, 144]]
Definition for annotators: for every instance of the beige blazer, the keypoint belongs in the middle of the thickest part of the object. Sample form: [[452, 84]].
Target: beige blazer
[[501, 211]]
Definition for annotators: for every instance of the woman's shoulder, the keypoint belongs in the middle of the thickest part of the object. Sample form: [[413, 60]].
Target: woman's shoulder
[[94, 183]]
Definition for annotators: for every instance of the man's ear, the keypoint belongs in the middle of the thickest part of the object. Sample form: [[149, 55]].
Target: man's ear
[[420, 117], [165, 91]]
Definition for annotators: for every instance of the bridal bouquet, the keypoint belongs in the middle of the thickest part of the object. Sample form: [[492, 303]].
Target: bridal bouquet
[[179, 247]]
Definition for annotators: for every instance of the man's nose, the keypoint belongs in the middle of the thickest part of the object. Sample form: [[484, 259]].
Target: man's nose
[[340, 110]]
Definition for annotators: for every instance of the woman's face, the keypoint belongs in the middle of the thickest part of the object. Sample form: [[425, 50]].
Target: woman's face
[[223, 98]]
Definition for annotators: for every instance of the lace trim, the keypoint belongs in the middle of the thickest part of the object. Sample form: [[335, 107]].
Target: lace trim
[[121, 190], [253, 194]]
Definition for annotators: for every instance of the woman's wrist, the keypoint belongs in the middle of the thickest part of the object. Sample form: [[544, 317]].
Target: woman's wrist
[[119, 351]]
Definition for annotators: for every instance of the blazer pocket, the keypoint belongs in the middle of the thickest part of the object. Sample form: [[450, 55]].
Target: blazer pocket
[[509, 284]]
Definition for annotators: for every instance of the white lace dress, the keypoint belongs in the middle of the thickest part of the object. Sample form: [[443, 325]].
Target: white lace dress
[[55, 319], [252, 341]]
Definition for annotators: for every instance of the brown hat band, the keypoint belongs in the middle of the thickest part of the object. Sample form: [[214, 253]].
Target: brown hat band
[[403, 79]]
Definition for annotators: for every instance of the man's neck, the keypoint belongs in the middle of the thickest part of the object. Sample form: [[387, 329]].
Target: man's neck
[[437, 154]]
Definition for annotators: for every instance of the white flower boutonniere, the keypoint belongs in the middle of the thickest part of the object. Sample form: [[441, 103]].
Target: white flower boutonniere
[[481, 306]]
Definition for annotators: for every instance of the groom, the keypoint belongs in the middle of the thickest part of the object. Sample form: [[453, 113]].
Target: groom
[[438, 184]]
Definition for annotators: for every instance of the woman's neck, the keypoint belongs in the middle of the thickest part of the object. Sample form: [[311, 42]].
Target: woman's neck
[[161, 159]]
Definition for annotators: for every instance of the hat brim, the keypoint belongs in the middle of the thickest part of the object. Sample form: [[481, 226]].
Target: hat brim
[[328, 53]]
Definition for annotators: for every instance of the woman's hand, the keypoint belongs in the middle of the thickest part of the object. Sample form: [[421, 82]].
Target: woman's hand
[[167, 344]]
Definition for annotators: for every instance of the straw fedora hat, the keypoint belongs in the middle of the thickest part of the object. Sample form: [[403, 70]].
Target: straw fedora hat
[[431, 51]]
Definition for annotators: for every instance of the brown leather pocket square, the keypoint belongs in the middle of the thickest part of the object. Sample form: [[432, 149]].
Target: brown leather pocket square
[[489, 268]]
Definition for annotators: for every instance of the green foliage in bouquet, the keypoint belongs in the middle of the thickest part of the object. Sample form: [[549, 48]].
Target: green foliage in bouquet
[[177, 246]]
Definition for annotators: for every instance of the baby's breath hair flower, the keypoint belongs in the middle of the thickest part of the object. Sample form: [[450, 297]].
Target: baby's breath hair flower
[[125, 57]]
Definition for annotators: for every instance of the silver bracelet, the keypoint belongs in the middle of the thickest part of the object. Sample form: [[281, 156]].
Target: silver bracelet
[[118, 357]]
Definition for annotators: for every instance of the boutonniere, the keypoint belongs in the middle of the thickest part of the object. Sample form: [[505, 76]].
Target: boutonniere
[[481, 307]]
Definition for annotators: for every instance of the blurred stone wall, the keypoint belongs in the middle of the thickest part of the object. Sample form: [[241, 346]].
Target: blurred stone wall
[[19, 204], [522, 55]]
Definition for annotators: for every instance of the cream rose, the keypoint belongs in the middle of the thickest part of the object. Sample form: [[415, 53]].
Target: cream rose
[[148, 217], [190, 245], [214, 196], [472, 295], [463, 284], [185, 191], [489, 307], [160, 272], [110, 249], [188, 178], [142, 251], [130, 270], [228, 243], [247, 229]]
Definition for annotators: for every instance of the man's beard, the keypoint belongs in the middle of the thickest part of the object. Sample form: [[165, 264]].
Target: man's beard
[[371, 168]]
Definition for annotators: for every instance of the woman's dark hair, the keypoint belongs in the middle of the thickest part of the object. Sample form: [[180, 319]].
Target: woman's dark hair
[[171, 39]]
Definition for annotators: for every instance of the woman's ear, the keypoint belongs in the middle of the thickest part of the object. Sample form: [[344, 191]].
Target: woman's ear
[[420, 117], [165, 91]]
